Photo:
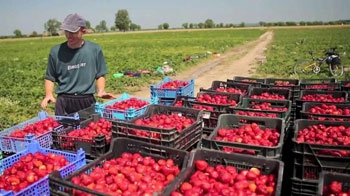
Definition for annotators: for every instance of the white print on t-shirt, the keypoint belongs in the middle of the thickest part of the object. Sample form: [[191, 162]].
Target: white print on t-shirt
[[77, 66]]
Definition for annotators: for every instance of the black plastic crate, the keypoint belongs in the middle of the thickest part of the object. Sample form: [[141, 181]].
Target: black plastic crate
[[256, 91], [230, 87], [236, 121], [92, 147], [327, 177], [241, 162], [306, 112], [309, 166], [166, 101], [167, 137], [248, 103], [341, 96], [292, 84], [319, 84], [301, 187], [256, 82], [345, 85], [319, 149], [64, 187]]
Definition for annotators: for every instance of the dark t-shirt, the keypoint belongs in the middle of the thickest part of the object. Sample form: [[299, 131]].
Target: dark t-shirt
[[75, 70]]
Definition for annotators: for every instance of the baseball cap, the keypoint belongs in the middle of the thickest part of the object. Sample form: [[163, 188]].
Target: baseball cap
[[73, 22]]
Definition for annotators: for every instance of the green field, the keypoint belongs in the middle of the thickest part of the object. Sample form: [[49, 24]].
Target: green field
[[292, 44], [23, 62]]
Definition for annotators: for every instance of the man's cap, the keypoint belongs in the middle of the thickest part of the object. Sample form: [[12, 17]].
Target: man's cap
[[73, 22]]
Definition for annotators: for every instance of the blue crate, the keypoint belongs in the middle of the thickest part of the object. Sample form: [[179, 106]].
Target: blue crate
[[13, 144], [122, 114], [41, 187], [156, 91]]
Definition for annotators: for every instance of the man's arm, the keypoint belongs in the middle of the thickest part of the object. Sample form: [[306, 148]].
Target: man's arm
[[49, 88], [100, 85]]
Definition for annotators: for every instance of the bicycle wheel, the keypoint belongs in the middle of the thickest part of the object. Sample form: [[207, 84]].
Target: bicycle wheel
[[336, 69], [303, 67]]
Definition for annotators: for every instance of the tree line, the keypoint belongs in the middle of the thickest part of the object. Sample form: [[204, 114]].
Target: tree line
[[123, 23]]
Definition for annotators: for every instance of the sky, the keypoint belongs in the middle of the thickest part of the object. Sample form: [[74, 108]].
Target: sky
[[31, 15]]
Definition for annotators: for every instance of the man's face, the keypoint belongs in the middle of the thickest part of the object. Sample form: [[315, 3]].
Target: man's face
[[74, 38]]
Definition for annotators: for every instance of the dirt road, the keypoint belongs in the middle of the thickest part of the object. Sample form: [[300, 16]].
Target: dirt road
[[240, 61]]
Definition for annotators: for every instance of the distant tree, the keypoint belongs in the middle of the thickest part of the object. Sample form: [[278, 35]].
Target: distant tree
[[242, 24], [302, 23], [113, 28], [291, 23], [262, 23], [134, 27], [122, 20], [185, 25], [191, 26], [160, 27], [102, 27], [281, 24], [200, 25], [165, 25], [88, 24], [34, 34], [52, 26], [209, 23], [221, 25], [17, 33]]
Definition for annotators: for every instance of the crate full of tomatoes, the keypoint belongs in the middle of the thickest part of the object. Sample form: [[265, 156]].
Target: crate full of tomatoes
[[130, 167], [217, 173], [255, 82], [258, 136], [125, 107], [171, 88], [320, 84], [27, 172], [40, 128], [264, 108], [229, 87], [326, 111], [93, 135], [170, 126], [332, 183], [320, 146]]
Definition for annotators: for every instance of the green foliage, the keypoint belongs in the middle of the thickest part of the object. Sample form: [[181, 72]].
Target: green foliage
[[122, 20], [24, 62], [17, 33], [52, 26], [290, 45]]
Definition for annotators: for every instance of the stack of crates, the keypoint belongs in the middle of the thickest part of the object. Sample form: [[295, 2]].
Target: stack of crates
[[293, 85], [166, 96], [310, 159]]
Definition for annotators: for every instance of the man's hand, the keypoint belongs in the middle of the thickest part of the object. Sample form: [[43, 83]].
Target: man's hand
[[46, 101], [105, 95]]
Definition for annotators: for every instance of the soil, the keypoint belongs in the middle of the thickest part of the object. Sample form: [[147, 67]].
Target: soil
[[239, 61]]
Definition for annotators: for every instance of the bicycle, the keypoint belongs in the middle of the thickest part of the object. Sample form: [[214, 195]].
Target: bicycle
[[331, 58]]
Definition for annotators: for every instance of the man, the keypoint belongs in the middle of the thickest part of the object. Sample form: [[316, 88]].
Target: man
[[78, 67]]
